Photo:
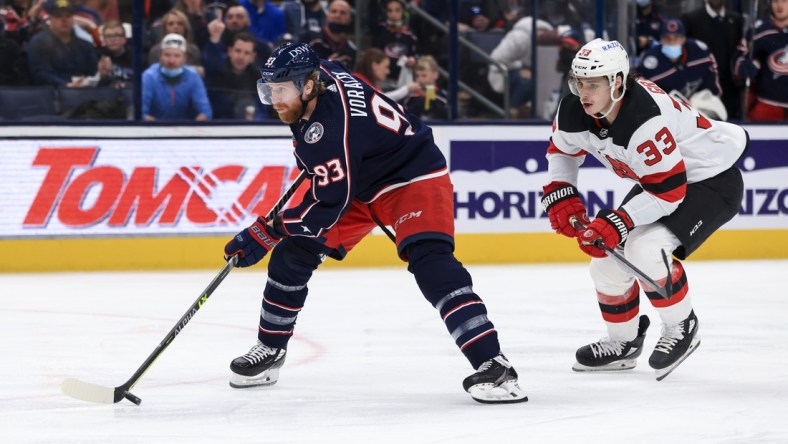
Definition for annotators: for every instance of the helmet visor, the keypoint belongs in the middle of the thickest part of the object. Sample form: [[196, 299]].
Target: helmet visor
[[271, 93], [591, 85]]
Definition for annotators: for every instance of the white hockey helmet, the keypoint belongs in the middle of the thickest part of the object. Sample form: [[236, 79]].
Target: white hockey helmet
[[601, 58]]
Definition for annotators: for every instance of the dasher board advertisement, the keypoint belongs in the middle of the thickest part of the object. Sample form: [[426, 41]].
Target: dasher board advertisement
[[66, 188], [215, 186]]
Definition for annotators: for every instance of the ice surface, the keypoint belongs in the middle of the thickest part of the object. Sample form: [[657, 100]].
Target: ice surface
[[371, 361]]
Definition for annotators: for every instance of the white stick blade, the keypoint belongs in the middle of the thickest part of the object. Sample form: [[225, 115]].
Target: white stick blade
[[87, 391]]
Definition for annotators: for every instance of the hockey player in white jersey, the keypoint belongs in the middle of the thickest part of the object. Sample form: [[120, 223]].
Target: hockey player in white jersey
[[686, 187]]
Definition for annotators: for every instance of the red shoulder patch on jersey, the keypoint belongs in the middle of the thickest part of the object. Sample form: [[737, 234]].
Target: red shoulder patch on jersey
[[703, 122]]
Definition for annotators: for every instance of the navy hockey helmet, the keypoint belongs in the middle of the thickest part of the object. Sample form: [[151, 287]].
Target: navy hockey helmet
[[289, 62]]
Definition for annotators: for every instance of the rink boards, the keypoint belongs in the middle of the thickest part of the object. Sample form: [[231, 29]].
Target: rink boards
[[99, 198]]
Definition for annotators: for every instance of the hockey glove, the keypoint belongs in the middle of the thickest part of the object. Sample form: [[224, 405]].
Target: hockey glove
[[561, 201], [253, 243], [610, 227]]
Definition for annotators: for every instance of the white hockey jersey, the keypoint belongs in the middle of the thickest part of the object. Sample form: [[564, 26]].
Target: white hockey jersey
[[655, 140]]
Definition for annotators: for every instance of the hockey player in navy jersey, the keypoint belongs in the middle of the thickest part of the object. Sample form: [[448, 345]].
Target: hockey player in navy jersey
[[369, 162], [767, 66], [681, 64], [686, 186]]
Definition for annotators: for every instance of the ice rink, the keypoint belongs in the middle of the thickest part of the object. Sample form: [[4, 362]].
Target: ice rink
[[371, 362]]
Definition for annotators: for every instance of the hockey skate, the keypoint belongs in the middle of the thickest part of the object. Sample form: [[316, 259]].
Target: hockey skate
[[495, 382], [678, 341], [259, 367], [611, 355]]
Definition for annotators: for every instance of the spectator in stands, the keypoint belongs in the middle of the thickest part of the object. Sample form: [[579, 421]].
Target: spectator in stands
[[268, 21], [648, 23], [504, 14], [232, 80], [430, 102], [373, 68], [10, 59], [21, 19], [681, 64], [154, 10], [170, 90], [473, 15], [56, 56], [116, 64], [333, 41], [198, 18], [721, 30], [763, 58], [222, 34], [303, 15], [397, 42], [107, 9], [514, 52], [176, 22]]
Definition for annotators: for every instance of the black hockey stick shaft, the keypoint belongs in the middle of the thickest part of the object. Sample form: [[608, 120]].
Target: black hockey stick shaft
[[664, 291], [123, 390], [203, 297]]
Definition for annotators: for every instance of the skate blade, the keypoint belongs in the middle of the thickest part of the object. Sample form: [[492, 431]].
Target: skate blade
[[624, 364], [663, 373], [266, 378], [507, 393]]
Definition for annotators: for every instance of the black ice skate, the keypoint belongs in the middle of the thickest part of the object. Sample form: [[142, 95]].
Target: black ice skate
[[260, 366], [610, 355], [495, 382], [678, 341]]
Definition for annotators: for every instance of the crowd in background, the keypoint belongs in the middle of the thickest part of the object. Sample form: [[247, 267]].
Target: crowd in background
[[201, 57]]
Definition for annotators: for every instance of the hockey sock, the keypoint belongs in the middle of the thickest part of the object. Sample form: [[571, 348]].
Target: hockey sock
[[678, 307], [620, 312], [449, 288], [291, 266]]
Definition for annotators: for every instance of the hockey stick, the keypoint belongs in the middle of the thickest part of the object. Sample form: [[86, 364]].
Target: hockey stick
[[90, 392], [666, 291]]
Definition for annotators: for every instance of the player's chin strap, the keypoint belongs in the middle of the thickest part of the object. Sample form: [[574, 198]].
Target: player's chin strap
[[614, 99], [666, 292]]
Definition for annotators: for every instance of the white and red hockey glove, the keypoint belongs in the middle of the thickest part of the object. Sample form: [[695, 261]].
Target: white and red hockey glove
[[562, 201], [610, 227]]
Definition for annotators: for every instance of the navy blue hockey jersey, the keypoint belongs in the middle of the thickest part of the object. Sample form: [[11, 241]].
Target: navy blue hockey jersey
[[770, 54], [357, 144], [695, 70]]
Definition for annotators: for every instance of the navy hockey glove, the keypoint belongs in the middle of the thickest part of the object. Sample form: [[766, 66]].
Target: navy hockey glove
[[253, 243], [747, 69], [562, 201], [610, 227]]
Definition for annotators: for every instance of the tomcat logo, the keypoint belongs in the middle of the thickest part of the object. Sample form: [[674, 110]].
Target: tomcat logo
[[79, 194]]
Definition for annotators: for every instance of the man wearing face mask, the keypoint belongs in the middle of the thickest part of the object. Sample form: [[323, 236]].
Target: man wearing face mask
[[169, 90], [680, 64], [333, 41]]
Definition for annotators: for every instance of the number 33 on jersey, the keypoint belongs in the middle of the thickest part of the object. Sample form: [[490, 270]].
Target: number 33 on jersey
[[659, 142]]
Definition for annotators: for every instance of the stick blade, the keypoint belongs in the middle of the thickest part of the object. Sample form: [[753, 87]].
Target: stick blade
[[87, 391]]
